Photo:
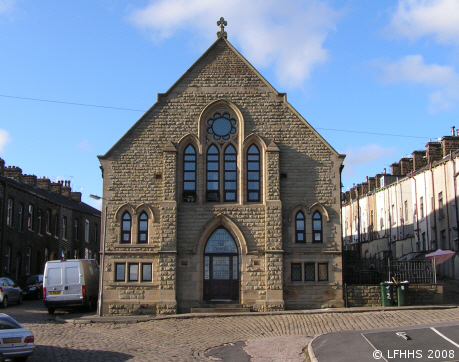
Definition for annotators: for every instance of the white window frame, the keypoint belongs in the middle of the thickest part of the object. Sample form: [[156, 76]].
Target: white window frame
[[86, 230], [28, 260], [9, 215], [8, 259]]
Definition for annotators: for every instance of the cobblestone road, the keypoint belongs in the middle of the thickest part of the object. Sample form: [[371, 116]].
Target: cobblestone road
[[189, 339]]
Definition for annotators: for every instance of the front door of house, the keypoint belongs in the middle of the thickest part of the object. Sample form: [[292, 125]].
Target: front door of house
[[221, 268]]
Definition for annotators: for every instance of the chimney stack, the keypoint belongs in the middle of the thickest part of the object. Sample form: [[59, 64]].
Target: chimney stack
[[2, 167], [76, 196], [56, 187], [396, 169], [434, 152], [66, 190], [30, 179], [14, 173], [419, 160], [44, 183], [449, 144], [406, 165]]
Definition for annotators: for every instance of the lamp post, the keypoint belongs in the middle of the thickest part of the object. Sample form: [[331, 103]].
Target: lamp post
[[101, 280]]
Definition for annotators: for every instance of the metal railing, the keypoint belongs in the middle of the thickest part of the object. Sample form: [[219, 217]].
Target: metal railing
[[375, 271]]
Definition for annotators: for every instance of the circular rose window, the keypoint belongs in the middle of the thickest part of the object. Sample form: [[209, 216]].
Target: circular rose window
[[221, 126]]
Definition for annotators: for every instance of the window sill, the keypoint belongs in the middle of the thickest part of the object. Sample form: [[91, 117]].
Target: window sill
[[131, 284]]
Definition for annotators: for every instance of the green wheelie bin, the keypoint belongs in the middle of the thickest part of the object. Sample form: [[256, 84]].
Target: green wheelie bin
[[402, 294], [386, 294]]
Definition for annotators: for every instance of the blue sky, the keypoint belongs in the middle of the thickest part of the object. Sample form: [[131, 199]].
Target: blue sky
[[377, 79]]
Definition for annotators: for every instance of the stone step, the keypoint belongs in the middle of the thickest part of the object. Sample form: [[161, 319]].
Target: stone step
[[221, 308]]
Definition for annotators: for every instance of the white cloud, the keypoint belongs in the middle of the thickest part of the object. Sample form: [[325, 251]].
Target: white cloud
[[442, 80], [4, 139], [85, 146], [414, 19], [286, 35], [6, 6], [364, 156]]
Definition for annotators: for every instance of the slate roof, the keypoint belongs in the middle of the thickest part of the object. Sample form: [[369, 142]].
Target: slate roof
[[61, 200]]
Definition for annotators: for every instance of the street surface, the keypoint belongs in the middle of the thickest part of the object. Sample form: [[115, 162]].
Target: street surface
[[433, 342], [274, 337]]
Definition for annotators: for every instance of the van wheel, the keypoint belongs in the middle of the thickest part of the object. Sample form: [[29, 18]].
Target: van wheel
[[5, 302], [51, 310]]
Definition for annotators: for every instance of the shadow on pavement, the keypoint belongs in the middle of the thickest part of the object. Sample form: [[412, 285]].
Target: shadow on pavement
[[56, 354]]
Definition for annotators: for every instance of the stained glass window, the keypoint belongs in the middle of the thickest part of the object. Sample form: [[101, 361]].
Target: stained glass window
[[221, 126], [317, 227], [143, 228], [126, 228], [323, 271], [296, 272], [189, 169], [253, 174], [310, 272], [220, 268], [300, 227], [212, 173], [230, 174], [221, 242]]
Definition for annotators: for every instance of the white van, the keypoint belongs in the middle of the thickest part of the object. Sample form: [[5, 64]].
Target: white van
[[71, 283]]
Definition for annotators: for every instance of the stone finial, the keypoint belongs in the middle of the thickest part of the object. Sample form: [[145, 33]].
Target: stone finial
[[222, 23]]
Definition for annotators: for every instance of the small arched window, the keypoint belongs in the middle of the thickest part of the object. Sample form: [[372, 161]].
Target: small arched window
[[253, 173], [230, 180], [212, 178], [317, 231], [189, 174], [143, 229], [126, 228], [300, 226]]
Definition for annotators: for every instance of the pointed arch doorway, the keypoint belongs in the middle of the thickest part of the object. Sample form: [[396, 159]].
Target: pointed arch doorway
[[221, 268]]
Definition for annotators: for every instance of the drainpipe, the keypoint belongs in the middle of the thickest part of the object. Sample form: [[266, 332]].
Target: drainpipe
[[3, 220], [434, 226], [416, 205], [358, 224], [455, 198], [427, 219], [445, 203]]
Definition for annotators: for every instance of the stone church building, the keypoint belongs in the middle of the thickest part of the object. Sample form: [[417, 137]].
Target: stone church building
[[221, 193]]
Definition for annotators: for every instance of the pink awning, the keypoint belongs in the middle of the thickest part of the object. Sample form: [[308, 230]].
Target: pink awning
[[440, 256]]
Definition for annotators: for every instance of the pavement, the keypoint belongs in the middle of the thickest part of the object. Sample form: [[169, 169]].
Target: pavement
[[256, 337], [288, 347]]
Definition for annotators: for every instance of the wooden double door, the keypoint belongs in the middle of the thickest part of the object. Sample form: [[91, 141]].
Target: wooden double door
[[221, 278]]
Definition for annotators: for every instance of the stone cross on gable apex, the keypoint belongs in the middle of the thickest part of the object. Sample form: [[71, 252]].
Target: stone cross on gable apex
[[222, 23]]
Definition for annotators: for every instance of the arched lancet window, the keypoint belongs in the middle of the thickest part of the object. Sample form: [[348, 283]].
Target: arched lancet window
[[143, 229], [212, 182], [189, 174], [126, 228], [300, 226], [253, 173], [230, 180], [317, 231]]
